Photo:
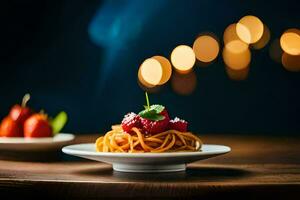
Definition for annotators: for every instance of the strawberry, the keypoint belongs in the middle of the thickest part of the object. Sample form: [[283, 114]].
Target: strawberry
[[178, 124], [37, 126], [129, 121], [10, 128], [20, 113], [156, 126], [154, 118]]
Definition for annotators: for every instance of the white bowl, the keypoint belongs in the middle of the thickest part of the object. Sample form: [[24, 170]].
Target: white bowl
[[35, 144], [146, 162]]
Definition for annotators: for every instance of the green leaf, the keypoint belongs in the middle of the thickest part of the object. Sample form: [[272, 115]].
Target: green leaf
[[156, 117], [147, 113], [153, 110], [153, 113], [59, 122], [158, 108]]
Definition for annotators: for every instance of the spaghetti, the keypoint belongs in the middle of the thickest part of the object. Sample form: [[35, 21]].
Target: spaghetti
[[118, 140]]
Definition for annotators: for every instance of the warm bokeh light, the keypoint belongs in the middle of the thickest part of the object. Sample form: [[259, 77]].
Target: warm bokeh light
[[183, 58], [250, 29], [275, 51], [239, 38], [263, 40], [290, 62], [151, 89], [290, 41], [236, 46], [184, 84], [166, 67], [142, 81], [230, 34], [206, 48], [237, 75], [236, 55], [150, 72]]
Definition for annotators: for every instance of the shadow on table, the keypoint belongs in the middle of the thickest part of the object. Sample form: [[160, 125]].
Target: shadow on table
[[37, 156], [194, 173]]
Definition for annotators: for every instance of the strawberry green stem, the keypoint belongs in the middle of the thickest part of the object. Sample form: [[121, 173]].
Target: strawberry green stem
[[25, 100]]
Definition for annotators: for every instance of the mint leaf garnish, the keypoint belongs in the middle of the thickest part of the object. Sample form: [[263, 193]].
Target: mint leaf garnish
[[147, 113], [156, 117], [158, 108], [152, 112]]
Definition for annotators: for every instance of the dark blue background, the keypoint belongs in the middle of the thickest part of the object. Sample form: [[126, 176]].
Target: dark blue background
[[69, 59]]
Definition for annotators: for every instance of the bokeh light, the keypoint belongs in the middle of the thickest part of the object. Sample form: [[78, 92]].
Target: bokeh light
[[184, 84], [230, 34], [206, 48], [263, 40], [183, 58], [291, 62], [142, 81], [249, 32], [236, 46], [236, 55], [150, 72], [290, 41], [237, 75], [151, 89], [250, 29], [275, 51], [166, 67]]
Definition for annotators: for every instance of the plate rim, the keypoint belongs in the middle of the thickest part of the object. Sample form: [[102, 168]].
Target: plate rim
[[45, 140], [73, 152]]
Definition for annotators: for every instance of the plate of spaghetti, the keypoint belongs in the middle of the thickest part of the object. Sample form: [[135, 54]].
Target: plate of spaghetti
[[148, 142]]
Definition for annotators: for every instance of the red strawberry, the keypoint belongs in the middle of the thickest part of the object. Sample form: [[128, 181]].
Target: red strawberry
[[37, 126], [178, 124], [129, 121], [20, 113], [10, 128], [152, 127]]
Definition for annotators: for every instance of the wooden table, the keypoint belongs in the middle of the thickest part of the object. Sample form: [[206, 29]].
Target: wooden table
[[258, 166]]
